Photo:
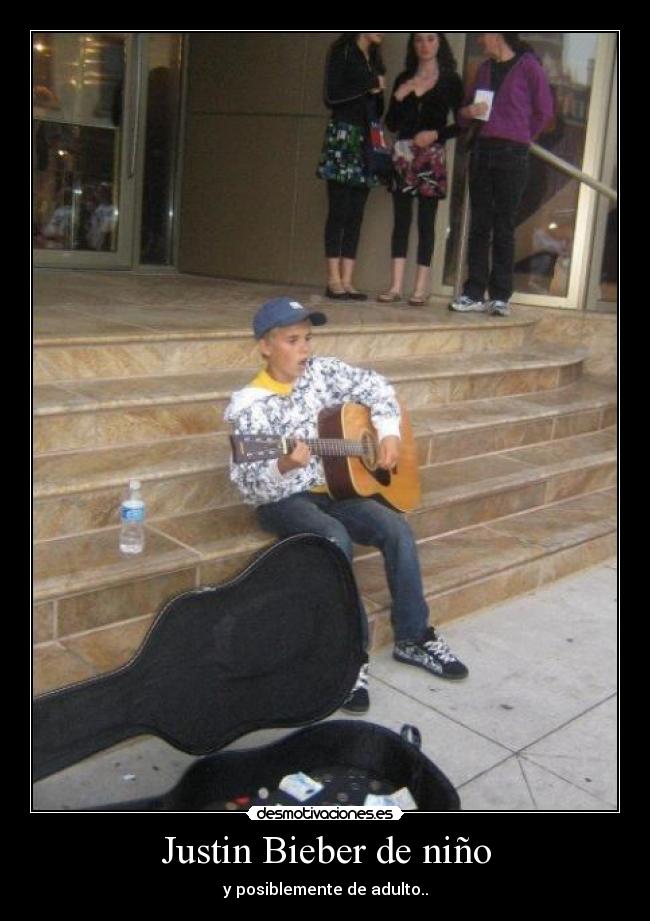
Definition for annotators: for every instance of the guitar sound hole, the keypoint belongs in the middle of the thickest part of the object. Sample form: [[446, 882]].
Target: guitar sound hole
[[382, 476]]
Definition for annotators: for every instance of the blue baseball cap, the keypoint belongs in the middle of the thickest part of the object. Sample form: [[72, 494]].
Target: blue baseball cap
[[283, 311]]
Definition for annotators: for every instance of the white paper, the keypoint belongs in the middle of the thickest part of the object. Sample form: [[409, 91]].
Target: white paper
[[401, 799], [484, 96], [300, 786], [404, 799]]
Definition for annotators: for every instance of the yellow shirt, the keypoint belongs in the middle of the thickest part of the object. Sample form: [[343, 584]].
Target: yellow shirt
[[265, 382]]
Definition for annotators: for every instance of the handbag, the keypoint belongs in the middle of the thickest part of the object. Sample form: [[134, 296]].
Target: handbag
[[420, 170], [380, 156]]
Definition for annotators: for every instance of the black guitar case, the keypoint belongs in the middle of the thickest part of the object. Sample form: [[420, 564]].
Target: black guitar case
[[278, 646]]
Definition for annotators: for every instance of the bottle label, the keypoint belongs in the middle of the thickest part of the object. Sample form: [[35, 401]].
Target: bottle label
[[132, 513]]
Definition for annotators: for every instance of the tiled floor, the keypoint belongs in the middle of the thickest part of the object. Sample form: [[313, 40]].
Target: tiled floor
[[533, 728]]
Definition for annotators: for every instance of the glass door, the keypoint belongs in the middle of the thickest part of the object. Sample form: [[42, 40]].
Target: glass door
[[85, 134]]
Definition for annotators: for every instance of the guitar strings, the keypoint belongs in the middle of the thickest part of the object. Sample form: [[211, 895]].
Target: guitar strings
[[331, 447]]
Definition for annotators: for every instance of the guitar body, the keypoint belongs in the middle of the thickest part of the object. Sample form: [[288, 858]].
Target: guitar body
[[359, 476]]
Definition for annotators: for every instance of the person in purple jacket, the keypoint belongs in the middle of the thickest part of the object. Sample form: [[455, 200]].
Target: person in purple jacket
[[517, 104]]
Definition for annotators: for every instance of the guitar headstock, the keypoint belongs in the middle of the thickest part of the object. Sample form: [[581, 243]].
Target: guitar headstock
[[249, 448]]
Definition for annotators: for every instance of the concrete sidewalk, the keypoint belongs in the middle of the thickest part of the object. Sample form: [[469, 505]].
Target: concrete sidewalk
[[534, 727]]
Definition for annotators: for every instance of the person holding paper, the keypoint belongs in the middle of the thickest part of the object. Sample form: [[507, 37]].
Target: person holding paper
[[512, 103], [424, 94]]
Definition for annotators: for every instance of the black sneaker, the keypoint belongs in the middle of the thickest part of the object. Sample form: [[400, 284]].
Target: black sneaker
[[432, 653], [359, 699]]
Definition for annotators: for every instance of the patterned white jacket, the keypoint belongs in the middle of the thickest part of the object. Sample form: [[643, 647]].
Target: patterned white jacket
[[326, 382]]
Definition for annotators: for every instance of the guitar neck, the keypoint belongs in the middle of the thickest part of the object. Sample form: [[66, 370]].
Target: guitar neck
[[326, 447], [259, 448]]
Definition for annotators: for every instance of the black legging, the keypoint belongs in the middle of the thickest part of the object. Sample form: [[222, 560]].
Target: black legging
[[403, 212], [343, 227]]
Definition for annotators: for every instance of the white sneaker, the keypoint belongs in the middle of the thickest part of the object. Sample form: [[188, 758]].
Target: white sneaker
[[358, 700], [498, 308], [465, 304]]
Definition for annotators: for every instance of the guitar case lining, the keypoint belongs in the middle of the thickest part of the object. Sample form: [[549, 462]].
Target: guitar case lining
[[278, 646]]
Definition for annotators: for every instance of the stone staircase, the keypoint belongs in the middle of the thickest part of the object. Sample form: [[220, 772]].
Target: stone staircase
[[517, 448]]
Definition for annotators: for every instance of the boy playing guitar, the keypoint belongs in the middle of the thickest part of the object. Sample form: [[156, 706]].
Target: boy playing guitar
[[290, 492]]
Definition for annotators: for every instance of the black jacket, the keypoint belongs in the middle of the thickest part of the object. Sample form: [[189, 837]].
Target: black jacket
[[349, 80], [429, 112]]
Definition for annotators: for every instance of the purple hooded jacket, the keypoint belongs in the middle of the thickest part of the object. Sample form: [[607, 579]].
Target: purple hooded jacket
[[522, 107]]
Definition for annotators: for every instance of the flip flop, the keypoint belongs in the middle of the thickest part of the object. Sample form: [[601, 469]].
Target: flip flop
[[356, 296], [389, 297], [418, 301]]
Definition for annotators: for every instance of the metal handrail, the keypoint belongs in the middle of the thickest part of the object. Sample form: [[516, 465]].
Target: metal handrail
[[542, 154], [573, 171]]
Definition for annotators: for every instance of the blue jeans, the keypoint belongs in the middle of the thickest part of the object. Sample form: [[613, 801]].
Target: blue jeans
[[366, 522], [497, 179]]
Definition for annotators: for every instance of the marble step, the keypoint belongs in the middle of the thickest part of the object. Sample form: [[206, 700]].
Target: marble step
[[77, 414], [462, 572], [83, 354], [81, 491], [480, 566], [456, 495]]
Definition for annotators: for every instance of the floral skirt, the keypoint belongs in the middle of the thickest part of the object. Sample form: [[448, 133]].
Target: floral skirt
[[420, 170], [343, 157]]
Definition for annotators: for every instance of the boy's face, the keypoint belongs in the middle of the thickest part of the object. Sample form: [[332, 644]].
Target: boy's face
[[286, 350]]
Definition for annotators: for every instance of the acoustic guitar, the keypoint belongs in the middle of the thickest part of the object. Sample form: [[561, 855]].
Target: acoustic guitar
[[348, 447]]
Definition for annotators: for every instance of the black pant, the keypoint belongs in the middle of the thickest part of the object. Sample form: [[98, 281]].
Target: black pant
[[497, 179], [343, 227], [403, 213]]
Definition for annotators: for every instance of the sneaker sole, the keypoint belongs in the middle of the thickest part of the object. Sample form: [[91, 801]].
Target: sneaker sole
[[467, 309], [354, 709], [424, 667]]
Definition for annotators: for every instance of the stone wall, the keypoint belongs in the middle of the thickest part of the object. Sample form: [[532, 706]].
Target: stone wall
[[252, 206]]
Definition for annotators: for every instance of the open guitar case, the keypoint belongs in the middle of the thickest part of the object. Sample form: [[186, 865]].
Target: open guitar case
[[278, 646]]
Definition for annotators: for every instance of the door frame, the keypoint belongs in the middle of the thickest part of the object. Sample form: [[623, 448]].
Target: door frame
[[594, 302]]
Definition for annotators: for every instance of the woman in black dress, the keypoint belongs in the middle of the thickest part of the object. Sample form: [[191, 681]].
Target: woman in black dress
[[424, 94], [354, 85]]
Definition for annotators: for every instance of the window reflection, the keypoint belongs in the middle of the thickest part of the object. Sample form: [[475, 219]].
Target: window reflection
[[161, 147], [77, 95]]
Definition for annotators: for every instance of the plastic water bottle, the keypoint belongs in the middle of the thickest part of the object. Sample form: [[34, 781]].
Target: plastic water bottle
[[132, 517]]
